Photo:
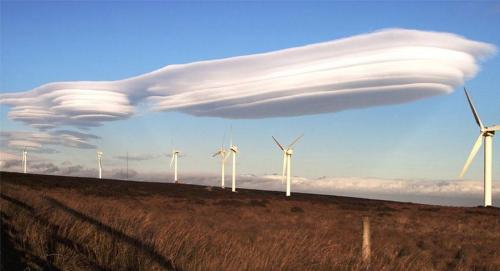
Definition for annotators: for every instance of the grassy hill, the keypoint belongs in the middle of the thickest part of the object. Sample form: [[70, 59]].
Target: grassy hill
[[68, 223]]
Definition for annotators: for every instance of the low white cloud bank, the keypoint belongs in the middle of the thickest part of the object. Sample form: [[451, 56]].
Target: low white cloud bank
[[442, 192], [342, 185], [385, 67], [382, 186]]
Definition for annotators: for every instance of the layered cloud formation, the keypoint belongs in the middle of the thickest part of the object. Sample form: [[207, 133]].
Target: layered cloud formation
[[385, 67], [77, 104], [38, 141]]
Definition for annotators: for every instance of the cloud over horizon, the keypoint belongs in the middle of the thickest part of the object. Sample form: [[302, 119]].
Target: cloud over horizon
[[386, 67], [448, 192], [38, 141], [138, 156]]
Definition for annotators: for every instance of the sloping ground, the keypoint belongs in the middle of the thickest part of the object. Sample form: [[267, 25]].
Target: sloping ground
[[67, 223]]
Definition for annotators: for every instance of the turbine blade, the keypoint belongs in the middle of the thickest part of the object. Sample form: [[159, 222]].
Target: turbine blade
[[472, 154], [279, 145], [295, 141], [217, 153], [284, 168], [223, 140], [474, 112], [172, 160], [230, 136], [494, 128]]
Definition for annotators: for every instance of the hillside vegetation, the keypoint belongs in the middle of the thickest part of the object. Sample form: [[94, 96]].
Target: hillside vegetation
[[67, 223]]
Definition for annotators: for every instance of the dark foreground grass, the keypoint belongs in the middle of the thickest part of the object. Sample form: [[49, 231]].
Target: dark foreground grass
[[63, 223]]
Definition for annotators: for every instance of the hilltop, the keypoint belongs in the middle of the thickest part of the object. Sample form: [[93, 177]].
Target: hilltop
[[70, 223]]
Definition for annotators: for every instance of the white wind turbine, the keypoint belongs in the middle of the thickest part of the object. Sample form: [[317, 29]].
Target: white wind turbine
[[234, 150], [99, 163], [486, 135], [173, 161], [25, 160], [287, 160], [223, 157]]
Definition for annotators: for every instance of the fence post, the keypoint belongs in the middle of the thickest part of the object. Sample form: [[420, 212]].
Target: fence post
[[366, 249]]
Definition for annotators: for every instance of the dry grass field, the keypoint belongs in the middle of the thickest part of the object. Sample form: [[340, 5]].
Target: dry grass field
[[64, 223]]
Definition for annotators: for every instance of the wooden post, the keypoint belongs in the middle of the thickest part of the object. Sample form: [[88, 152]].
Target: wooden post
[[366, 249]]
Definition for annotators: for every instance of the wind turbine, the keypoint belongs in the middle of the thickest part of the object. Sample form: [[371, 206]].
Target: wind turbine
[[173, 161], [25, 160], [223, 155], [486, 134], [287, 159], [234, 150], [99, 163]]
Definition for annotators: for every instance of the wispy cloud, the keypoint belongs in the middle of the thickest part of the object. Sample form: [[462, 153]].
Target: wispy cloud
[[138, 157], [386, 67]]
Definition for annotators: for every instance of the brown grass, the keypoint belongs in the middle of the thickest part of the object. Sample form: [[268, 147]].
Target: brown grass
[[61, 223]]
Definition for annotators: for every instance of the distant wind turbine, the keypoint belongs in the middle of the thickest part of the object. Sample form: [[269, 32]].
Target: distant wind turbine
[[223, 155], [99, 163], [486, 134], [173, 161], [234, 150], [25, 160], [287, 160]]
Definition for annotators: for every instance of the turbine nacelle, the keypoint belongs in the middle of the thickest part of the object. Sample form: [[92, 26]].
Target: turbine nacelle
[[221, 152], [174, 155], [490, 130]]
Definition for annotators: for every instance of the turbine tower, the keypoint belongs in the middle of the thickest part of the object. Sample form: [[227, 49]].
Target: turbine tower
[[287, 160], [99, 163], [223, 155], [234, 150], [173, 161], [486, 135], [25, 160]]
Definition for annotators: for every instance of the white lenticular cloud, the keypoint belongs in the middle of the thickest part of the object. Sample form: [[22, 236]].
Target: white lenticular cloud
[[75, 103], [37, 141], [385, 67]]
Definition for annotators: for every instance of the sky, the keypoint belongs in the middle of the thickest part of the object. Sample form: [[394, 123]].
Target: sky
[[423, 140]]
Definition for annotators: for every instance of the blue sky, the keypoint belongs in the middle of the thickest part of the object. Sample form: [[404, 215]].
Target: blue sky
[[44, 42]]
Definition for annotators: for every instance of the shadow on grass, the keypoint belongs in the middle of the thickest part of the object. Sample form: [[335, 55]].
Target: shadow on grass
[[146, 248], [55, 239], [9, 256], [15, 259]]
